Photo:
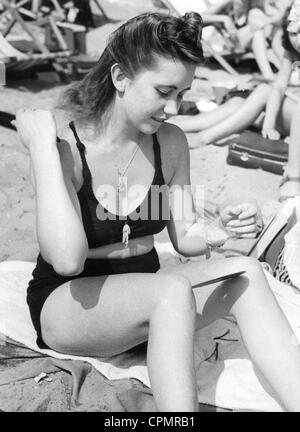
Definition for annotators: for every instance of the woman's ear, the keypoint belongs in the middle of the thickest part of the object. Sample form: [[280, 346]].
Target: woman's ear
[[118, 77]]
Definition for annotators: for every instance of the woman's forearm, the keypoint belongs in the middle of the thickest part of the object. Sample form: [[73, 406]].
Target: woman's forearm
[[201, 236], [137, 246], [60, 231], [192, 245]]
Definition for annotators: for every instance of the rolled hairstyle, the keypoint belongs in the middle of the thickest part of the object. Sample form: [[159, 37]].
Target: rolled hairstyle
[[133, 46]]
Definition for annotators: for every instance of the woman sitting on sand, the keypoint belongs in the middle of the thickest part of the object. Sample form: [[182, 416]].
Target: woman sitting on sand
[[97, 289]]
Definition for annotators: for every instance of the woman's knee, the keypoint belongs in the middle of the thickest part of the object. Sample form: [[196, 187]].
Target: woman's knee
[[253, 278], [228, 294], [237, 286], [176, 293], [250, 265]]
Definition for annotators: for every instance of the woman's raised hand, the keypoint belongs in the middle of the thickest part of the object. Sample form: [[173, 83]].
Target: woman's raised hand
[[36, 128], [242, 221]]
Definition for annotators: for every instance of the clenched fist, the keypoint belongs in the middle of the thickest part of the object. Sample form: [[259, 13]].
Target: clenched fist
[[36, 128]]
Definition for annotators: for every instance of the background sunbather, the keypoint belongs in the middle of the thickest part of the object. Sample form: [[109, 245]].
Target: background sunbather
[[254, 25], [282, 108]]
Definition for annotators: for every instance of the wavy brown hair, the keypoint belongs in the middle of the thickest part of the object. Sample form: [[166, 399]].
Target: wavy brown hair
[[133, 46]]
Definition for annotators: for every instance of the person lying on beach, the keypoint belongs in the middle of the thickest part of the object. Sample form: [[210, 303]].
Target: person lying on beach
[[246, 25], [253, 25], [286, 104], [97, 288], [281, 106]]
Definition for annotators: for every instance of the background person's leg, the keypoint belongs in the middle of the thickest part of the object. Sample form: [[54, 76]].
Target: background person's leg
[[290, 119], [260, 51], [206, 120], [240, 119], [285, 115], [272, 57], [276, 44]]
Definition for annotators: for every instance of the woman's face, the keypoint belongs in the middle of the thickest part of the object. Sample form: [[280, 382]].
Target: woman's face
[[294, 35], [154, 95]]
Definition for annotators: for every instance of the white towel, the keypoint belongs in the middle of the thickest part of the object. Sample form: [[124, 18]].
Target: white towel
[[228, 382]]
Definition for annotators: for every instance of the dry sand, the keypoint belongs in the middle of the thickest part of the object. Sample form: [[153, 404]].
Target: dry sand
[[221, 182]]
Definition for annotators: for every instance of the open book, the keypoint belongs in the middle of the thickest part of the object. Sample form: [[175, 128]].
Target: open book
[[219, 279]]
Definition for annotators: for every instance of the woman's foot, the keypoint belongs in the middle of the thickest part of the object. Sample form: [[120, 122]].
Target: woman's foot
[[289, 188], [198, 140]]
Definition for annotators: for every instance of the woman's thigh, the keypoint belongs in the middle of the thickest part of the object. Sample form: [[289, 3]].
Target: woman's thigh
[[103, 315], [217, 300]]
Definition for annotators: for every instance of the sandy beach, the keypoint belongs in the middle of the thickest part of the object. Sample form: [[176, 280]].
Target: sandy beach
[[220, 182]]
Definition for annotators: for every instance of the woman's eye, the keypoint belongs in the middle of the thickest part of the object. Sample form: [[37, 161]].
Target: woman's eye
[[163, 93]]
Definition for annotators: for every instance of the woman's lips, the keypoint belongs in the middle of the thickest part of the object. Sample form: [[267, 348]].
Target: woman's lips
[[158, 119]]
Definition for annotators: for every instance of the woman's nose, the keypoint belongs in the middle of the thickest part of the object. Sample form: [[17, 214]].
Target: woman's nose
[[171, 108]]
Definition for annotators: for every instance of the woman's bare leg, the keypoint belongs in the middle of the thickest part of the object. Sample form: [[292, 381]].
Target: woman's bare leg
[[293, 167], [257, 17], [240, 119], [276, 44], [272, 57], [266, 333], [206, 120], [289, 121], [104, 316], [284, 119], [260, 52]]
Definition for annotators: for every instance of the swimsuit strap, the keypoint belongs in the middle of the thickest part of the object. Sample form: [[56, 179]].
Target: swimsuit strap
[[86, 170], [157, 159], [81, 147]]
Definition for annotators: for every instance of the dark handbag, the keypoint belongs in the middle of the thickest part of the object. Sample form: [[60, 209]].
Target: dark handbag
[[6, 119], [251, 150]]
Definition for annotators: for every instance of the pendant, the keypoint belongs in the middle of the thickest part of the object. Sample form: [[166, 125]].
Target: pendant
[[126, 233], [122, 182], [121, 185]]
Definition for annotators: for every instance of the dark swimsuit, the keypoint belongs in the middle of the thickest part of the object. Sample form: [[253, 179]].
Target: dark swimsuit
[[101, 232]]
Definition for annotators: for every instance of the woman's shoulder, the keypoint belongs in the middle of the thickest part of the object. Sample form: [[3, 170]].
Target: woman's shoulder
[[174, 149], [172, 139]]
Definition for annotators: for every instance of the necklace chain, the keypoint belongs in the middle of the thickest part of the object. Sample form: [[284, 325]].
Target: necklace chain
[[122, 186], [122, 174]]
